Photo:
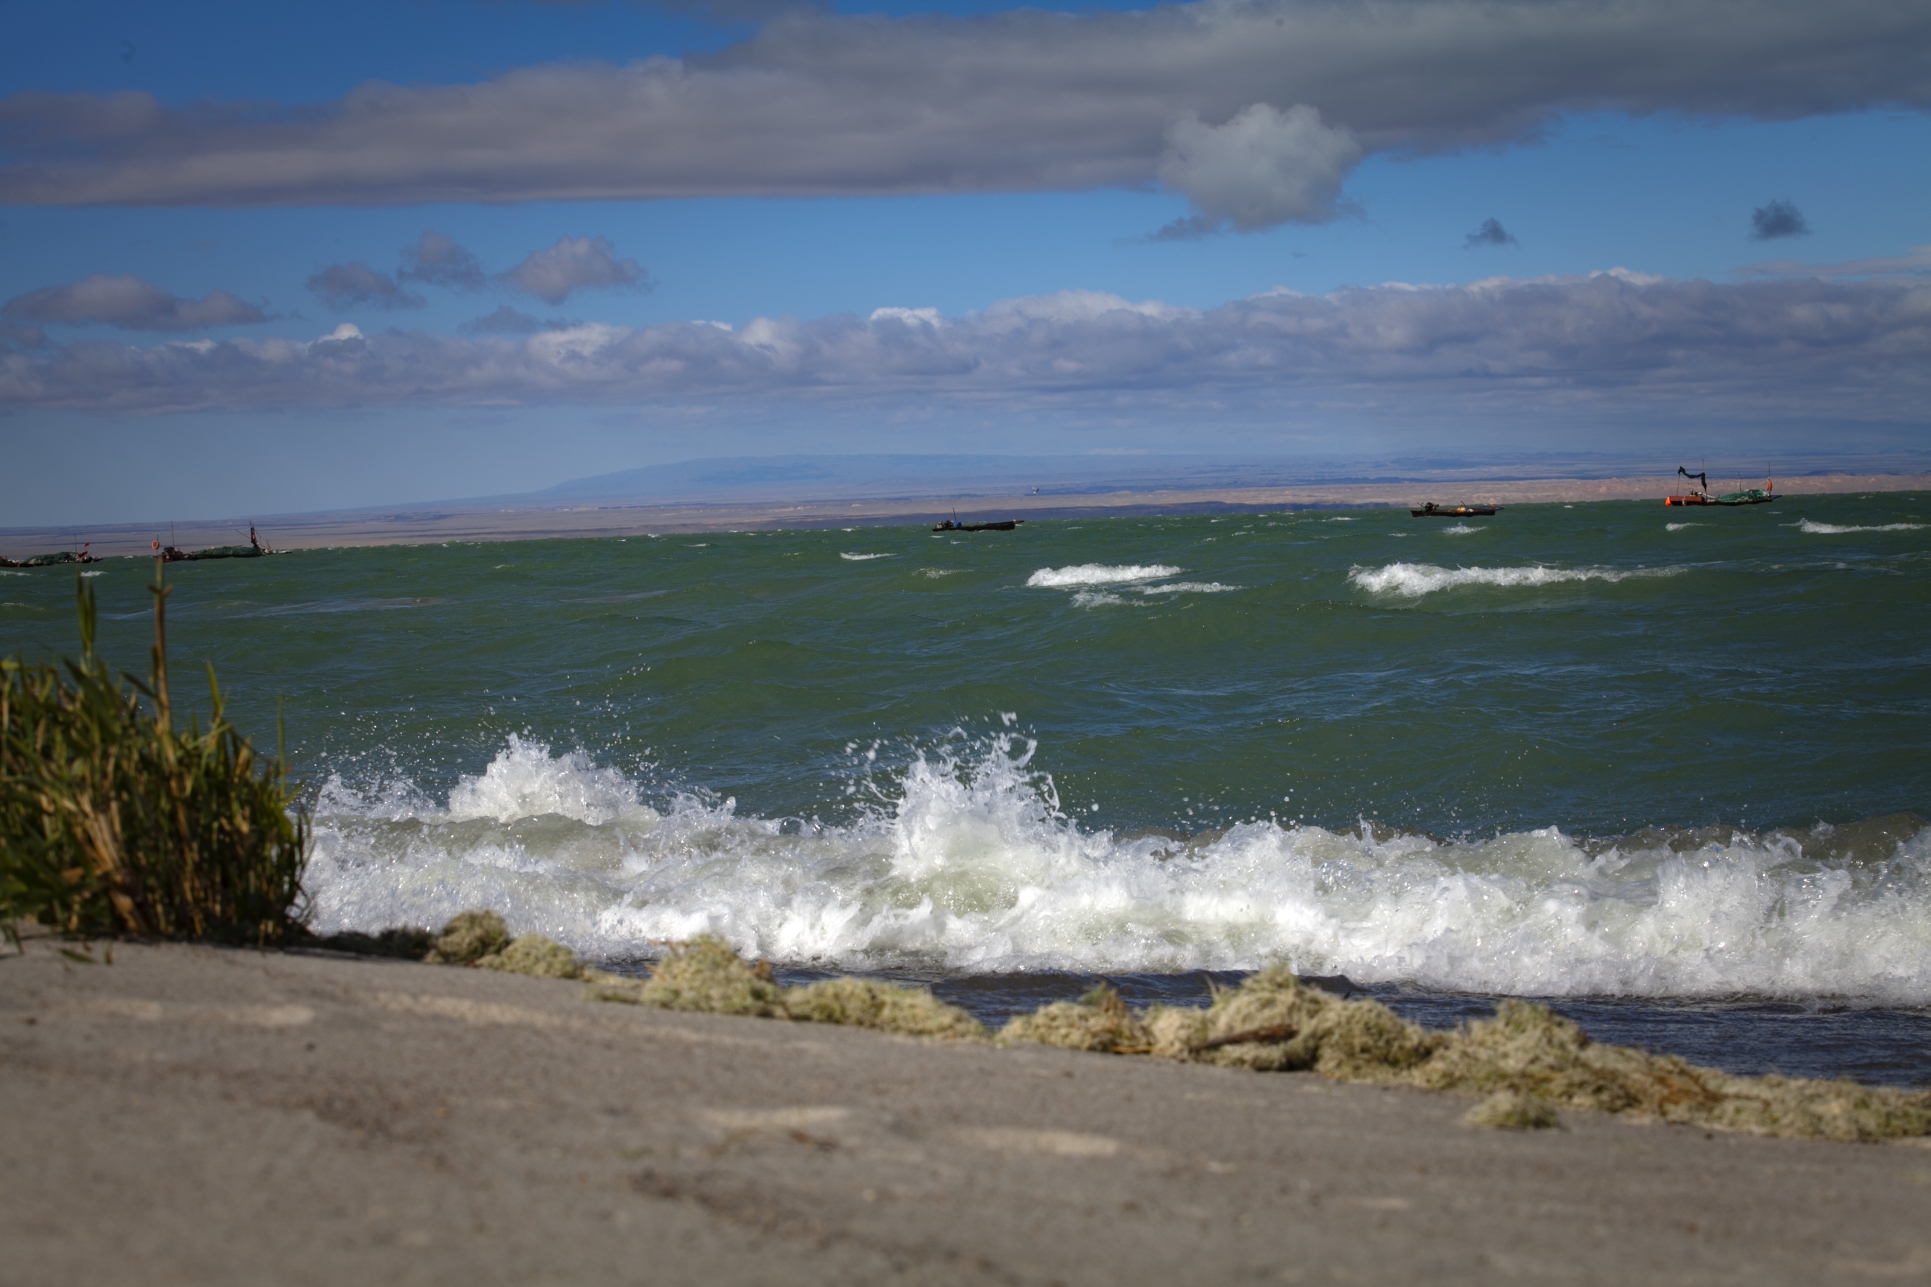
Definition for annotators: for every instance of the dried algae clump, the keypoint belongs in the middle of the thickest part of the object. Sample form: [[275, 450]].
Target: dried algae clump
[[468, 938], [706, 976], [867, 1003], [1825, 1110], [1098, 1021], [1510, 1110], [1527, 1049], [535, 955], [1271, 1023]]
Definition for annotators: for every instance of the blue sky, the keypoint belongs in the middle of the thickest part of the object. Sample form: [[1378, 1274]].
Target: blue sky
[[193, 195]]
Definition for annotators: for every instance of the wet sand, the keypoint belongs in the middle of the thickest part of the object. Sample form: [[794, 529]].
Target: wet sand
[[467, 521], [201, 1115]]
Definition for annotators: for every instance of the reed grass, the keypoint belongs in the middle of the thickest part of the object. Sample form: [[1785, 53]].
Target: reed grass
[[113, 820]]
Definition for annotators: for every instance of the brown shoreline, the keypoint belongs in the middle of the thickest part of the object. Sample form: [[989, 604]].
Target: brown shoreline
[[432, 524]]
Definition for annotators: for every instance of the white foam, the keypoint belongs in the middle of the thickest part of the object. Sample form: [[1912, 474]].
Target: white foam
[[1677, 527], [1412, 580], [1459, 529], [860, 558], [975, 866], [1834, 529], [1185, 587], [1099, 574]]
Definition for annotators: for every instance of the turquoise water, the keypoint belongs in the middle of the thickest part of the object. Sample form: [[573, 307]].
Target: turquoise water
[[1610, 750]]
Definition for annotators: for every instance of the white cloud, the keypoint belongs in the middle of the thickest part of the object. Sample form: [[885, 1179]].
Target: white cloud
[[1616, 341], [575, 263], [1260, 168], [910, 316]]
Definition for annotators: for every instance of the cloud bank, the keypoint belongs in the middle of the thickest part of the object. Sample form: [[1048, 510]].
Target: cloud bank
[[1617, 343], [128, 302], [1254, 109]]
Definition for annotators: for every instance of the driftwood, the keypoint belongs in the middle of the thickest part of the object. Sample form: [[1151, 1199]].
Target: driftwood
[[1273, 1032]]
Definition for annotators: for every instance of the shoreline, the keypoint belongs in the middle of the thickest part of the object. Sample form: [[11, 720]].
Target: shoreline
[[427, 524], [348, 1119]]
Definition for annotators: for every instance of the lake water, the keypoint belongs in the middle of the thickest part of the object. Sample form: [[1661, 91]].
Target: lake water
[[1664, 766]]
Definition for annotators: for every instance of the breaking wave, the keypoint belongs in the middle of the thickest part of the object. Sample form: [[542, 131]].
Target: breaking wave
[[968, 863], [860, 558], [1412, 580], [1099, 574], [1836, 529]]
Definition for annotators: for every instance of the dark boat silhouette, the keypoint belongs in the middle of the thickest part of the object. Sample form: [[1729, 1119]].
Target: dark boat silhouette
[[1432, 510], [1003, 525]]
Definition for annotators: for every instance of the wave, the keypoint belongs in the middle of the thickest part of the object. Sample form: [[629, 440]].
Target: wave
[[1460, 529], [860, 558], [1412, 580], [965, 860], [1835, 529], [1677, 527], [1099, 574]]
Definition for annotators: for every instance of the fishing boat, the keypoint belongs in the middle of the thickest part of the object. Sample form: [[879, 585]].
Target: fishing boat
[[50, 560], [953, 525], [253, 550], [1432, 510], [1700, 494]]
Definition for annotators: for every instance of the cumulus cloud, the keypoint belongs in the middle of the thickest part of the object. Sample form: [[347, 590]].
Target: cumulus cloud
[[820, 103], [1491, 233], [1778, 219], [436, 260], [1258, 169], [130, 303], [575, 263], [356, 285], [1618, 342]]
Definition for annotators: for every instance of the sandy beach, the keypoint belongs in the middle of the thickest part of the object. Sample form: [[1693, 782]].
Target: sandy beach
[[190, 1114], [460, 521]]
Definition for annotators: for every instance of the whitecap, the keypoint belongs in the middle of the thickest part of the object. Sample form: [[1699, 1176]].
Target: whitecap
[[1835, 529], [1100, 574], [1412, 580], [860, 558], [1185, 587]]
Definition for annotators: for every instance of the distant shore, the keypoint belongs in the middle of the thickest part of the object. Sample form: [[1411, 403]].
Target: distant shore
[[479, 521]]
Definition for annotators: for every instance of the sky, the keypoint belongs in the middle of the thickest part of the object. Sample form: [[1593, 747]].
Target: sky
[[260, 258]]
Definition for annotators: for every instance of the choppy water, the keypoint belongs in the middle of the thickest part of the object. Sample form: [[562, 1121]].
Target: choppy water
[[1665, 768]]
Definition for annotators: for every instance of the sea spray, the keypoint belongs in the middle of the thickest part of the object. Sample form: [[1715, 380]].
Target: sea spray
[[962, 859]]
